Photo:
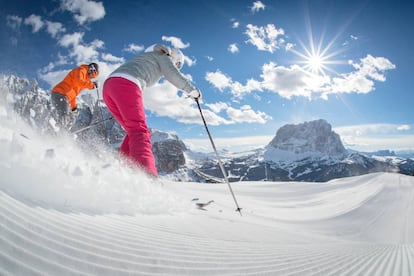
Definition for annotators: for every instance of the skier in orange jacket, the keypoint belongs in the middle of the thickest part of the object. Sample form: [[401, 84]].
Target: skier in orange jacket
[[64, 94]]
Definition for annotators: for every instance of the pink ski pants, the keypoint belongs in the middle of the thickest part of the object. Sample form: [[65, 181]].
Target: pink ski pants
[[124, 99]]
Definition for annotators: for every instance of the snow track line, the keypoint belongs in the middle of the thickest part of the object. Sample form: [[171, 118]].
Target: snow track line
[[38, 241]]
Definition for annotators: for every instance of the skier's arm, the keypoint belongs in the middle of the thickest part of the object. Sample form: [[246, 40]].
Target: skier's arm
[[83, 79], [171, 73]]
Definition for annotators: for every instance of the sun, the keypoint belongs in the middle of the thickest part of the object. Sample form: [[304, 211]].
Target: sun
[[316, 59], [315, 63]]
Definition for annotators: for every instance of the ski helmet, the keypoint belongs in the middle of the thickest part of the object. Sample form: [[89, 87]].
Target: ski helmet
[[93, 70], [177, 57]]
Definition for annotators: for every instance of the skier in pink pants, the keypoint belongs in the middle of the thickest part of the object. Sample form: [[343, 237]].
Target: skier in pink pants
[[122, 93]]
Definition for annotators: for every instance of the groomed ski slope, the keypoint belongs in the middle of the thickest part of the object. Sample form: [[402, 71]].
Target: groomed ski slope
[[66, 212]]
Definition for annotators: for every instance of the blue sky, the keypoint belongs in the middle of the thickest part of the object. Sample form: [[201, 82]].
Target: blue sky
[[259, 64]]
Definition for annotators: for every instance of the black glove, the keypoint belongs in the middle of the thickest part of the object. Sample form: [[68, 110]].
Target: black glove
[[95, 84], [75, 109]]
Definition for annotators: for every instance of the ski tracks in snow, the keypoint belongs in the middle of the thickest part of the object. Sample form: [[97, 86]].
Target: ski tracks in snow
[[36, 240]]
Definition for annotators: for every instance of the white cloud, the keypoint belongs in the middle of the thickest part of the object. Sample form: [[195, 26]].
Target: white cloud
[[14, 21], [286, 81], [111, 58], [219, 80], [71, 39], [289, 46], [403, 127], [370, 129], [222, 82], [257, 6], [267, 38], [163, 99], [233, 48], [247, 115], [293, 81], [373, 137], [375, 143], [217, 107], [35, 21], [54, 28], [362, 79], [190, 62], [84, 11], [133, 48], [175, 42], [235, 24], [80, 51]]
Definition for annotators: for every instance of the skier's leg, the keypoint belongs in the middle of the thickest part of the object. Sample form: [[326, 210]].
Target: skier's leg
[[109, 91], [128, 104], [139, 135], [60, 109]]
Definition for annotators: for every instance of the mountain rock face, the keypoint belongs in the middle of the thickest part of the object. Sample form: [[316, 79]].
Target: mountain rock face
[[168, 151], [309, 138]]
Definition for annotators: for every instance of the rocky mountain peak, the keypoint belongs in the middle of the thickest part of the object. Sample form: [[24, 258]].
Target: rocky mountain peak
[[168, 151], [17, 85], [309, 138]]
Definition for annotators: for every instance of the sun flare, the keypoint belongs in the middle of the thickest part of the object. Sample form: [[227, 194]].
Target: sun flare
[[316, 59], [315, 63]]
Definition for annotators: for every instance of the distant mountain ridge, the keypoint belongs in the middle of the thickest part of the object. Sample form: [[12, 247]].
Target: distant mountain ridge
[[309, 151]]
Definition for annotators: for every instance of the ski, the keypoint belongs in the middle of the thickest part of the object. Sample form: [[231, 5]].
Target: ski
[[202, 205]]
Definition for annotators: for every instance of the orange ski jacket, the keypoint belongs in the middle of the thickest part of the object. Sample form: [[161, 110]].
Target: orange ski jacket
[[76, 80]]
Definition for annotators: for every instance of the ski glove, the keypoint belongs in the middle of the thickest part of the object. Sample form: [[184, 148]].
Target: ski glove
[[95, 84], [195, 94], [75, 111]]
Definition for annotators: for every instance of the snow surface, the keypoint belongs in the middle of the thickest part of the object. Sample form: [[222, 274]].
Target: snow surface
[[67, 211]]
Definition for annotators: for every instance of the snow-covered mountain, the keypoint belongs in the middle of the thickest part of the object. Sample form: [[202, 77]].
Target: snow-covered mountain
[[296, 142], [310, 151]]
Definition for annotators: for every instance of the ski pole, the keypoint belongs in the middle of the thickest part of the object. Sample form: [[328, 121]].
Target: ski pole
[[100, 110], [218, 158], [92, 125]]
